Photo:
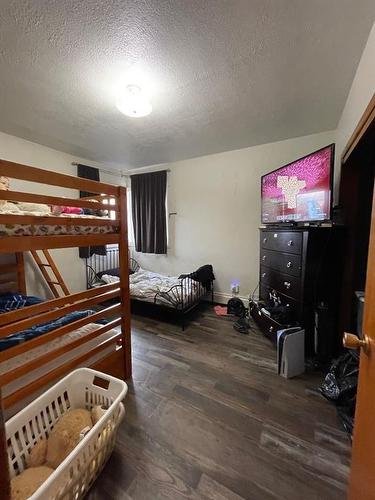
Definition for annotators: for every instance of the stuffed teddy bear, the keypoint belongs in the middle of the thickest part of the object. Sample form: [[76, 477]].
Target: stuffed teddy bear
[[4, 186], [48, 453], [26, 483], [62, 439]]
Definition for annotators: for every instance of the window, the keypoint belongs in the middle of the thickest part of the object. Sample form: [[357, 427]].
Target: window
[[110, 201], [130, 219], [112, 215]]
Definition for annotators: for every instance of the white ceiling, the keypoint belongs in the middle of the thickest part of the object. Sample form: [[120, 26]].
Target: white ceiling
[[224, 74]]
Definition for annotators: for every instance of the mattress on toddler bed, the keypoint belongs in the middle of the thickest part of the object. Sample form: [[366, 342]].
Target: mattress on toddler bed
[[144, 285]]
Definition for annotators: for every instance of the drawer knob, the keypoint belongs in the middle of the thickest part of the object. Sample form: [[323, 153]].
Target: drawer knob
[[290, 243], [264, 257], [275, 235], [287, 284], [289, 265], [264, 275], [270, 329], [264, 240]]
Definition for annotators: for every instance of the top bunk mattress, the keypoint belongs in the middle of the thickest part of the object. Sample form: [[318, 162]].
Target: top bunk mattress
[[42, 229]]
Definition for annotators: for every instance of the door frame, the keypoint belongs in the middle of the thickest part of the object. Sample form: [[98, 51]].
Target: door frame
[[364, 123], [367, 119]]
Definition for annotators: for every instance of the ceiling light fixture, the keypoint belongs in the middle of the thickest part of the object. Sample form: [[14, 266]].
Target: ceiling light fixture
[[134, 102]]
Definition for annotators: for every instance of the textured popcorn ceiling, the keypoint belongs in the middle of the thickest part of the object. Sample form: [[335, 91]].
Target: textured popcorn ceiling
[[223, 74]]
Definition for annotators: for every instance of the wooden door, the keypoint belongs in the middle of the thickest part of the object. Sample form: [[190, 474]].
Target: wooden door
[[362, 484]]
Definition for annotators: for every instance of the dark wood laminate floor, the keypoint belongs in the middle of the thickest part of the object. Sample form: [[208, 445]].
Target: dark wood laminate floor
[[208, 418]]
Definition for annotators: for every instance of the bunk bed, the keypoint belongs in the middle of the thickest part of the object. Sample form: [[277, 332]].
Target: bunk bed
[[179, 295], [98, 331]]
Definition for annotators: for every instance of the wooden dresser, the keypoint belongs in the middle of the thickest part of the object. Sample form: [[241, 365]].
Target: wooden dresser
[[301, 267]]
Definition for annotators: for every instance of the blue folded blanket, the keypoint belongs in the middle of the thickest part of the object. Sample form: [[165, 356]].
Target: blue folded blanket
[[10, 302]]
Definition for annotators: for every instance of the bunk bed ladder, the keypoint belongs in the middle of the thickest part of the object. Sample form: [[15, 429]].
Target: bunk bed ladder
[[54, 279]]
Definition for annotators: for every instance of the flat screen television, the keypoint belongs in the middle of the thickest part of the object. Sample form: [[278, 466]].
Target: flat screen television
[[300, 191]]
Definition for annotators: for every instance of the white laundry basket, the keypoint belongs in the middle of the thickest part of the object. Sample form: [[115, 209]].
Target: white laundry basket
[[82, 388]]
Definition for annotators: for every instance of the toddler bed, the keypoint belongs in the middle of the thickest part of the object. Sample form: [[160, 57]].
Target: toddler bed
[[180, 294]]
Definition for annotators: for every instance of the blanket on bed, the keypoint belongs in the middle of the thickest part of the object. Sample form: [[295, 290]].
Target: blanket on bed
[[10, 302], [157, 288]]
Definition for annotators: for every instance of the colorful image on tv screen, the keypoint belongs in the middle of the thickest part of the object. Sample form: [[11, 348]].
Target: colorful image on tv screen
[[300, 191]]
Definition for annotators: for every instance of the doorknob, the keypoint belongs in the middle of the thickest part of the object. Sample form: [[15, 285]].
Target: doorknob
[[351, 341]]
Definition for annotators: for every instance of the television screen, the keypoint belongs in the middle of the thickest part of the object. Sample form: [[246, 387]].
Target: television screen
[[299, 191]]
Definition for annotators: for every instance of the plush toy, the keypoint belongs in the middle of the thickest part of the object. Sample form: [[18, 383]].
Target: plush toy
[[65, 436], [4, 186], [26, 483], [96, 413], [38, 454], [48, 453]]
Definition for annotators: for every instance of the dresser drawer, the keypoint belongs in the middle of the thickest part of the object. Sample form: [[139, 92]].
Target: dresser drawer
[[268, 325], [286, 263], [283, 283], [281, 241]]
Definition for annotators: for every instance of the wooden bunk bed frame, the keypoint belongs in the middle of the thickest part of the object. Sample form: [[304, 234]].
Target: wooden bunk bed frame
[[12, 278]]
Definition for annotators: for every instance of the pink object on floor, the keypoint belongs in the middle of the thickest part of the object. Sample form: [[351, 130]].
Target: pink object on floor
[[221, 310]]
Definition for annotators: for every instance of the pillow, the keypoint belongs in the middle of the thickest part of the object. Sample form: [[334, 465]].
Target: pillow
[[9, 208], [39, 208], [112, 272]]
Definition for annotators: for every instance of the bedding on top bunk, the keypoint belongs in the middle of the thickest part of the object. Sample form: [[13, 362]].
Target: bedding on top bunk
[[41, 210], [11, 302]]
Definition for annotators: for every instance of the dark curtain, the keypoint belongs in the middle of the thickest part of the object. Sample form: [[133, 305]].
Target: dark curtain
[[148, 192], [91, 173]]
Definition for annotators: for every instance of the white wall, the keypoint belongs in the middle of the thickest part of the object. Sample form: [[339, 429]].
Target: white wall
[[216, 197], [18, 150], [361, 92], [217, 200]]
